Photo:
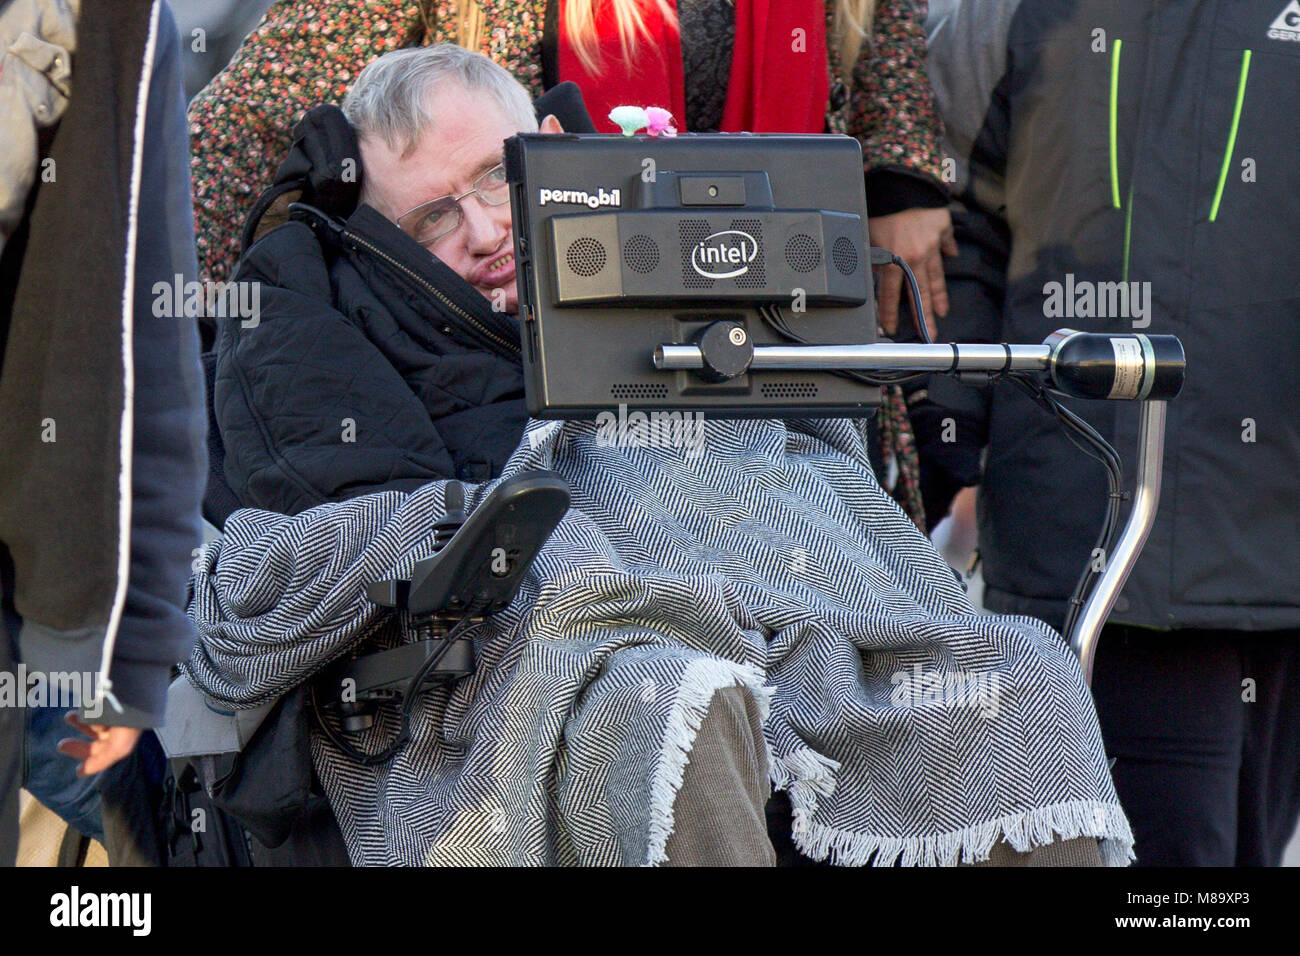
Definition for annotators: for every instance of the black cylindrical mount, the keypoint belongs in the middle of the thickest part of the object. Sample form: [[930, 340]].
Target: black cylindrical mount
[[1132, 367], [727, 351]]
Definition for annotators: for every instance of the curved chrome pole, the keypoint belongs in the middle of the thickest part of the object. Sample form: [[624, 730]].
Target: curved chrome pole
[[1146, 497]]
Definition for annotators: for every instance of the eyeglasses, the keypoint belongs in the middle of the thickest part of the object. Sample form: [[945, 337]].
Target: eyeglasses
[[431, 221]]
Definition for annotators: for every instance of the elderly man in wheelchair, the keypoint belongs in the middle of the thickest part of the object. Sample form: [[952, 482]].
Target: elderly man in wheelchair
[[623, 651]]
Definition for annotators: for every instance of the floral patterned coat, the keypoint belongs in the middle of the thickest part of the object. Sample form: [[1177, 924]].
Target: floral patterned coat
[[306, 52]]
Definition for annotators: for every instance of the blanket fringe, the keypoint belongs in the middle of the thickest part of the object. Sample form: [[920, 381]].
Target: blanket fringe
[[806, 769], [1024, 831], [703, 678]]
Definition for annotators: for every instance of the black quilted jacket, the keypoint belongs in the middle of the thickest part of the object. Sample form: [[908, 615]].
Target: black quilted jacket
[[371, 366]]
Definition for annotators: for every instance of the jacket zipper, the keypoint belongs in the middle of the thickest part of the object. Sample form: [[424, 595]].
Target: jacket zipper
[[1114, 147], [1114, 123], [1114, 157], [1128, 232], [512, 349], [1232, 134]]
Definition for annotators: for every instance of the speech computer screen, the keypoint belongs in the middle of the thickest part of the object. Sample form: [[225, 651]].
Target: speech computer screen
[[626, 244]]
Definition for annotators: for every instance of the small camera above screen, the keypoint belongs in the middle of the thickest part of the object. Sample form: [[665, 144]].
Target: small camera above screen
[[627, 244]]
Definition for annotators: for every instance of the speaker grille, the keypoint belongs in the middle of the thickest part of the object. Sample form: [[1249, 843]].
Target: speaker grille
[[803, 253], [585, 256], [845, 255], [626, 390], [756, 277], [789, 390], [691, 231], [641, 253]]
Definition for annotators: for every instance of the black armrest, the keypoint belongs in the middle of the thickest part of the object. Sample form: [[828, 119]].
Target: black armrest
[[479, 570]]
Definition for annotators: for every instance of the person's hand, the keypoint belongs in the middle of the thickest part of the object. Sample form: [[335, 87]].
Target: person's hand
[[106, 746], [917, 236]]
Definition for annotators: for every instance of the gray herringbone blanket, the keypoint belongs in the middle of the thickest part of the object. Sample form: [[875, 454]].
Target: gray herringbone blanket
[[905, 726]]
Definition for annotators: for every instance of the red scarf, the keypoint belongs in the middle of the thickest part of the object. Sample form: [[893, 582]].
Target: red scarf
[[778, 81]]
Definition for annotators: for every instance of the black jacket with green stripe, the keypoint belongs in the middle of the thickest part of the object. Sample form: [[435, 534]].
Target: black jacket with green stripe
[[1157, 145]]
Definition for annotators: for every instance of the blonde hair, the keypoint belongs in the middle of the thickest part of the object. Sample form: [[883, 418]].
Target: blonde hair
[[851, 26], [580, 23], [853, 20]]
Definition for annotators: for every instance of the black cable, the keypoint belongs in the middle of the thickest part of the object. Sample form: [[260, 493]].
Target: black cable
[[884, 257], [1100, 450], [408, 702], [773, 317]]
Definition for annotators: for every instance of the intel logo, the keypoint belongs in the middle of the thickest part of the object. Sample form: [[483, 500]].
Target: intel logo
[[724, 255]]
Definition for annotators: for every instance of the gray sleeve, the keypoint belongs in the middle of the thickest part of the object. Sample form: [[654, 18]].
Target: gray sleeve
[[966, 59], [37, 38]]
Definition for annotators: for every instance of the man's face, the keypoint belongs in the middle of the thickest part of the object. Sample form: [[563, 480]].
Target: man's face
[[464, 141]]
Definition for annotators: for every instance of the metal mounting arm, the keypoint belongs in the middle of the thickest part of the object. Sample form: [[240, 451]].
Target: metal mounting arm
[[1146, 496]]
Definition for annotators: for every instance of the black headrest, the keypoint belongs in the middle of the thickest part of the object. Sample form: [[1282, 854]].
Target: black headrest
[[323, 170], [564, 102], [325, 151]]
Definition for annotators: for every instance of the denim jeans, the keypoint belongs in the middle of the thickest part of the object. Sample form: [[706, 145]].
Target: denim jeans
[[48, 775], [52, 778]]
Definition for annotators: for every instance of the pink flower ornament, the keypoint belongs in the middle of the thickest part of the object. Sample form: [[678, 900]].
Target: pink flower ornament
[[659, 122], [653, 119]]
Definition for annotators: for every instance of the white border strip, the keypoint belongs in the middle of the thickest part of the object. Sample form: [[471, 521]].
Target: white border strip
[[128, 364]]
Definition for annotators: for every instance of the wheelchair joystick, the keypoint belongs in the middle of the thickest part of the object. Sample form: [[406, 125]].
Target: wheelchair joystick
[[477, 567]]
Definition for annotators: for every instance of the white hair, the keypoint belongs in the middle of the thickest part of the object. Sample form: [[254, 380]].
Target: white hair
[[389, 98]]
